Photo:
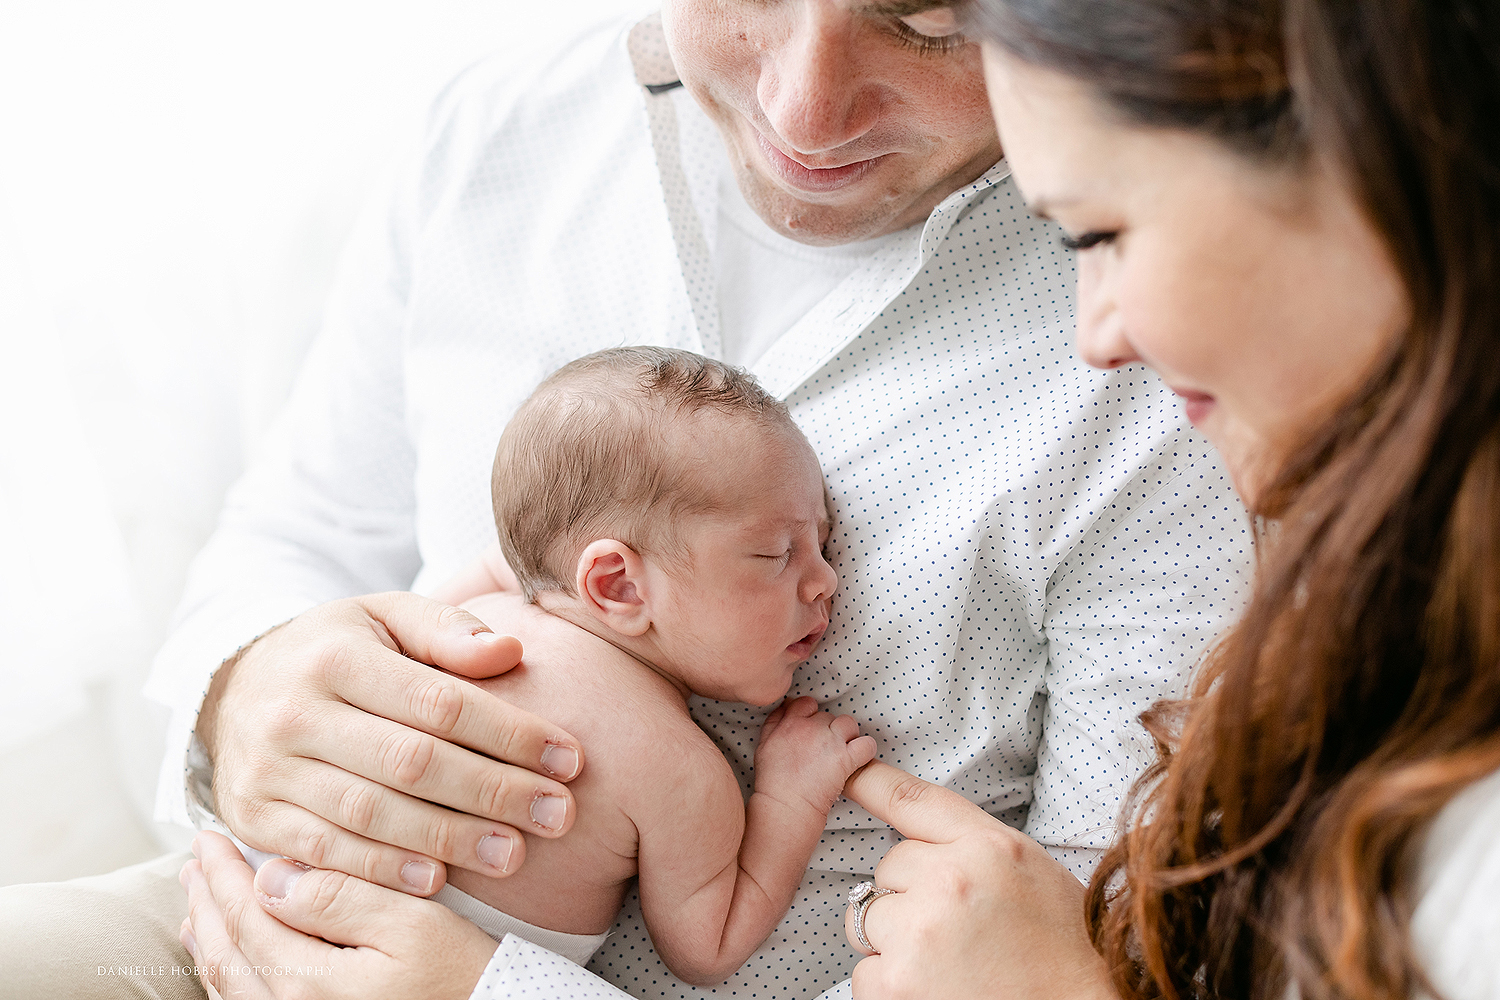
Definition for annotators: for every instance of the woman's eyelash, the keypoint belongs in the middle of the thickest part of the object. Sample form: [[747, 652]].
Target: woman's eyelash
[[1087, 241], [927, 45]]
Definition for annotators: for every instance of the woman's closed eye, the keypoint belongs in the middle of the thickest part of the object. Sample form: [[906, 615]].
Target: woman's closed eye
[[1087, 241]]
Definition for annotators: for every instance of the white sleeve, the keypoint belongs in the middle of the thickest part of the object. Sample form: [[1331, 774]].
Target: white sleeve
[[520, 970], [1455, 927], [326, 509], [1161, 573]]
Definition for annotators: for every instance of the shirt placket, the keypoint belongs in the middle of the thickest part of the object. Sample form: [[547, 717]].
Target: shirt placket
[[857, 301]]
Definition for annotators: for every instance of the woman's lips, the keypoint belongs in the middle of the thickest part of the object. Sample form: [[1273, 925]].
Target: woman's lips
[[814, 180], [1196, 405]]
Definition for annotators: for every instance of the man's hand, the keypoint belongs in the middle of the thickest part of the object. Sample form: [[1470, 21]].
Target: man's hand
[[979, 909], [805, 755], [332, 740], [266, 936]]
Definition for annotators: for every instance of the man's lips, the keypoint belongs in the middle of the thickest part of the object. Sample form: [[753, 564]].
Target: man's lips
[[814, 180]]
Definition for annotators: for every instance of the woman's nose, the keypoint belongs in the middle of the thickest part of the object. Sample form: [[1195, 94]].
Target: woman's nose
[[1102, 340], [1103, 345], [814, 91]]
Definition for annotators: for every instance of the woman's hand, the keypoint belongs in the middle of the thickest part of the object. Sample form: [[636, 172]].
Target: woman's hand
[[980, 910], [266, 935]]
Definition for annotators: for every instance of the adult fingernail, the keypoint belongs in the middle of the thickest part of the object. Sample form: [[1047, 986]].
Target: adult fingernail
[[190, 943], [494, 850], [420, 875], [549, 811], [560, 761], [276, 878], [487, 637]]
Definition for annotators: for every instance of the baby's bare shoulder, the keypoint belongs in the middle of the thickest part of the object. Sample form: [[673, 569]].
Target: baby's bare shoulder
[[624, 712], [639, 740], [510, 614], [659, 759]]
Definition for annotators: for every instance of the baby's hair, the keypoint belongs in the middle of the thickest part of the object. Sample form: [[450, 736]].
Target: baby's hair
[[597, 452]]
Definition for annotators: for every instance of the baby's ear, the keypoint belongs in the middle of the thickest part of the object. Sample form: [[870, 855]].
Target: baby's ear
[[611, 581]]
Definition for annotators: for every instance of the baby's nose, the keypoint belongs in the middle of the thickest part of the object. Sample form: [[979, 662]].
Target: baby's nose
[[820, 584]]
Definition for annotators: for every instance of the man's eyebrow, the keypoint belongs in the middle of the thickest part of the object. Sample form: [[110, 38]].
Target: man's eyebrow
[[904, 8]]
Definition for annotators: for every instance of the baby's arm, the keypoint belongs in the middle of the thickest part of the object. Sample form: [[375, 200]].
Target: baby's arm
[[717, 874]]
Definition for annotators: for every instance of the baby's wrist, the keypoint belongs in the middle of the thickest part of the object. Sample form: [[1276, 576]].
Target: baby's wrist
[[800, 796]]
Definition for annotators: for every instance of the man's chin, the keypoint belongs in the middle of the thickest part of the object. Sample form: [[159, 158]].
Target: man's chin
[[826, 220]]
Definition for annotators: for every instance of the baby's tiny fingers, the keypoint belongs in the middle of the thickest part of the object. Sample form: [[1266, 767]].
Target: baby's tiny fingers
[[844, 727], [773, 722], [803, 707]]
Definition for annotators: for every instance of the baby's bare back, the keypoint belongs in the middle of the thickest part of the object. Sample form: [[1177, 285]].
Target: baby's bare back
[[635, 730]]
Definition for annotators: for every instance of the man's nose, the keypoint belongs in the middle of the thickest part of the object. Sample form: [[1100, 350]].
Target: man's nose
[[814, 91]]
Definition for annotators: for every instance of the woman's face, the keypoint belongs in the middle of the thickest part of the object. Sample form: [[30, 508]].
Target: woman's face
[[1262, 296]]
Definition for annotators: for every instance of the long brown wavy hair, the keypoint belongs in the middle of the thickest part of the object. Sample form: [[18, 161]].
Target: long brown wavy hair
[[1274, 841]]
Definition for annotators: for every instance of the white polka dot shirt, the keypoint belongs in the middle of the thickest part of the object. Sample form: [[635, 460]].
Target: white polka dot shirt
[[1030, 551]]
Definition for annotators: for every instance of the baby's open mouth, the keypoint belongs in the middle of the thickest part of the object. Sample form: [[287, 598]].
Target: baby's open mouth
[[804, 645]]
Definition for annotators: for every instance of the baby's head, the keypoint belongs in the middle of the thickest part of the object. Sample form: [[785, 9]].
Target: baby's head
[[665, 500]]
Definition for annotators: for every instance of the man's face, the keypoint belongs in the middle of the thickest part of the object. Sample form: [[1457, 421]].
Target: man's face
[[845, 119]]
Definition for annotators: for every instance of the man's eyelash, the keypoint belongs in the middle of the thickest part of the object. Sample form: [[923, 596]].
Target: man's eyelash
[[1087, 241], [926, 45]]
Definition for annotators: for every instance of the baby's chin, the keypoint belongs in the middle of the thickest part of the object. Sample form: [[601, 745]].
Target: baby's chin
[[768, 696]]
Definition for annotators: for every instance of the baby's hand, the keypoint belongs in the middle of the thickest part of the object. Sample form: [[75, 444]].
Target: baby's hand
[[807, 755]]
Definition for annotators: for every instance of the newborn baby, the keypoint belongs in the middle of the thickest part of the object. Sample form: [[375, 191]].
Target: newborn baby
[[665, 520]]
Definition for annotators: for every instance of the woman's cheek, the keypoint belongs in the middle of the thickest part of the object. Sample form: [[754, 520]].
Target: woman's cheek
[[1176, 325]]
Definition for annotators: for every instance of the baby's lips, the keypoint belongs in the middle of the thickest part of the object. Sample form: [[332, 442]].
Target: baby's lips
[[812, 638]]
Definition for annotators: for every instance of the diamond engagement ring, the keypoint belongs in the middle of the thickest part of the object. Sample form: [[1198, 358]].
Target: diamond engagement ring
[[860, 897]]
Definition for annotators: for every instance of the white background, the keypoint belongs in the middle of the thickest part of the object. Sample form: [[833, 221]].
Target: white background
[[176, 179]]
